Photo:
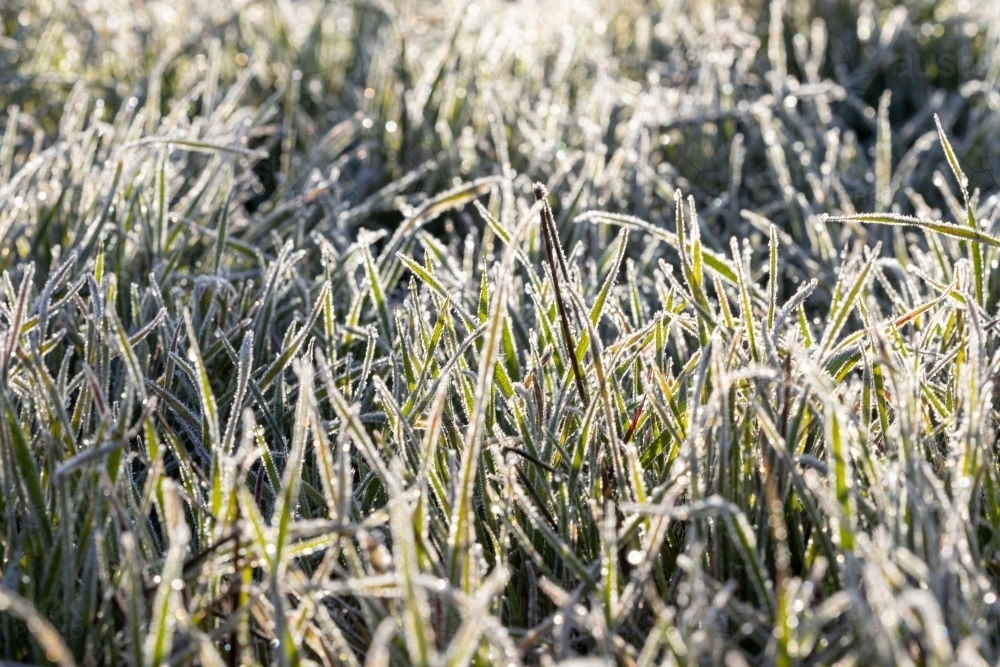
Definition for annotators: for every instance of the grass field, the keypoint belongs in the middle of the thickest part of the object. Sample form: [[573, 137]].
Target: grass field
[[397, 332]]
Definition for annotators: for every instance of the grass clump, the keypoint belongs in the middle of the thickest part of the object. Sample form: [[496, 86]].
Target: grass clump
[[355, 333]]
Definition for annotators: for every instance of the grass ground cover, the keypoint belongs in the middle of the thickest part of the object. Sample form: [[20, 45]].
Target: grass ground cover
[[499, 332]]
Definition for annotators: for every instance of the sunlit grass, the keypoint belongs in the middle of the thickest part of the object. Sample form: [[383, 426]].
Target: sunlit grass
[[499, 333]]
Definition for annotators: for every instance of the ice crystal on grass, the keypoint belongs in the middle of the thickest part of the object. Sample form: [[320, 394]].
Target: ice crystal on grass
[[499, 333]]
